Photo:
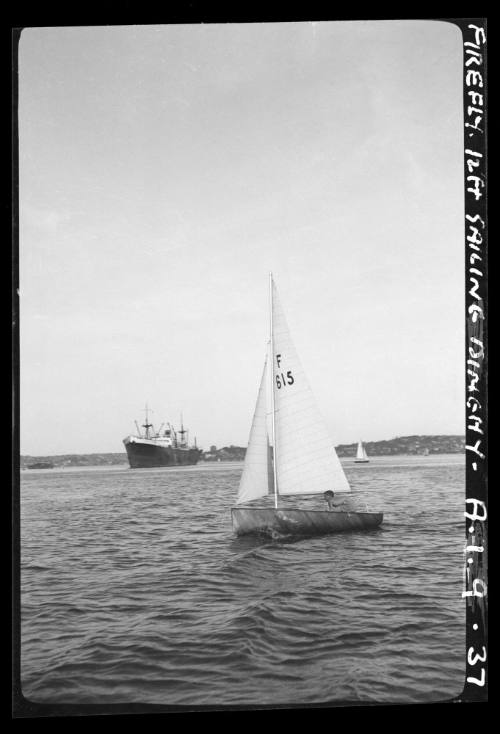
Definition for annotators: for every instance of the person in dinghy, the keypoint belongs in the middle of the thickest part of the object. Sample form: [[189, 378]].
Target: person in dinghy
[[333, 506]]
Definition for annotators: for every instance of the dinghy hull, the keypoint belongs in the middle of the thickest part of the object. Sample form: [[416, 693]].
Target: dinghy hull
[[300, 522]]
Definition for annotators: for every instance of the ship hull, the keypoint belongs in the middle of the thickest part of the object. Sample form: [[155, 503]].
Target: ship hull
[[256, 520], [361, 461], [147, 456]]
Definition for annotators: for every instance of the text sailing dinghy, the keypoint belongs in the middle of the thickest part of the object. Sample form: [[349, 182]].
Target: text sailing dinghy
[[303, 460]]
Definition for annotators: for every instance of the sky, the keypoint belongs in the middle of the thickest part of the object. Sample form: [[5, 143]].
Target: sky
[[165, 170]]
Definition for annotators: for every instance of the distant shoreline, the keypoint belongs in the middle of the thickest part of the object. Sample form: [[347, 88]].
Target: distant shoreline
[[347, 462], [400, 446]]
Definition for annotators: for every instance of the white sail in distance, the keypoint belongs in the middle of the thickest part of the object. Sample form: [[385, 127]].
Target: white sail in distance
[[306, 460], [256, 478], [361, 454]]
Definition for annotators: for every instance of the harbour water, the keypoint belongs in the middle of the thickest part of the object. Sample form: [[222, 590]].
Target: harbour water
[[134, 589]]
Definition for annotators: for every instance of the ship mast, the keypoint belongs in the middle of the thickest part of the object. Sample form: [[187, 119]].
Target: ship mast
[[182, 432], [147, 425]]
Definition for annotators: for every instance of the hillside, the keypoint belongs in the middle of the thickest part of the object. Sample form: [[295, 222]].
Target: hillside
[[400, 445], [66, 460], [408, 445]]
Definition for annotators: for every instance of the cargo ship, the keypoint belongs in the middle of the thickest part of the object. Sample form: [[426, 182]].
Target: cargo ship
[[165, 447]]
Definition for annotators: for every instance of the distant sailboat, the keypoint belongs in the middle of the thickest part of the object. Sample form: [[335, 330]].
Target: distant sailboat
[[361, 455], [303, 459]]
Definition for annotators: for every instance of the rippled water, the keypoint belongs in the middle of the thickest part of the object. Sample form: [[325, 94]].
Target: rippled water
[[134, 589]]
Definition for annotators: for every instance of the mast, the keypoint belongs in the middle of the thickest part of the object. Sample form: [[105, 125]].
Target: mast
[[272, 390], [147, 425], [182, 431]]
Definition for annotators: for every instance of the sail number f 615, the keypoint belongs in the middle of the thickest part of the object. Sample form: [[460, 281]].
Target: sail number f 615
[[281, 379]]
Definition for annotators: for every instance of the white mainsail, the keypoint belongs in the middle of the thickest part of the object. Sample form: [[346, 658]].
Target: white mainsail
[[306, 461], [361, 453], [256, 479]]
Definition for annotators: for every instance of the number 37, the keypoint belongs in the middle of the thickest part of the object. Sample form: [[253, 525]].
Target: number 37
[[472, 659]]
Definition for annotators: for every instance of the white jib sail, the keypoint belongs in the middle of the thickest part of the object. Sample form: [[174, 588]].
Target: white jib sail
[[256, 476], [306, 460], [361, 454]]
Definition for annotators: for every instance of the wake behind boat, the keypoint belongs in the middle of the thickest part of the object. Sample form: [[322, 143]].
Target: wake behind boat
[[303, 460]]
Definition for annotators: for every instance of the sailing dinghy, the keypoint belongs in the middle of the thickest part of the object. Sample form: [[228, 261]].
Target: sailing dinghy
[[302, 460], [361, 455]]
